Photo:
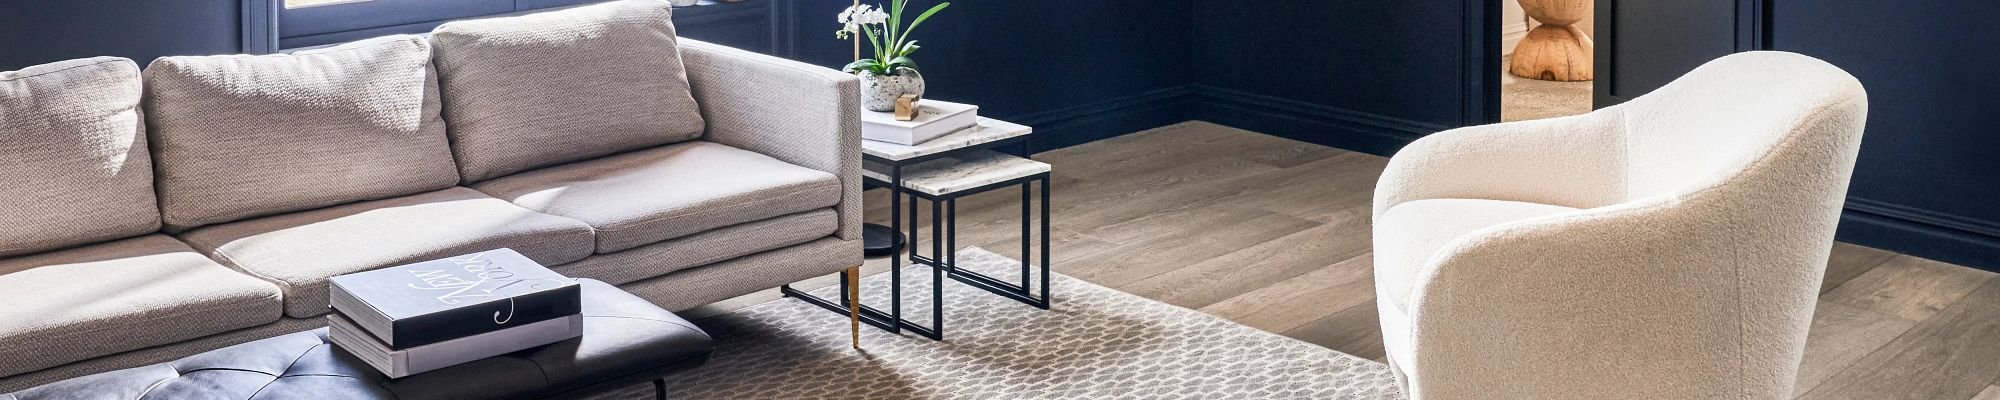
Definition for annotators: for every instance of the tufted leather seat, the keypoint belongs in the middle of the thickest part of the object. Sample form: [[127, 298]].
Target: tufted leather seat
[[626, 340]]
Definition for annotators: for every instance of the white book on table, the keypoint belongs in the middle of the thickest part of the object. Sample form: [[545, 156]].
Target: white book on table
[[934, 118], [400, 363]]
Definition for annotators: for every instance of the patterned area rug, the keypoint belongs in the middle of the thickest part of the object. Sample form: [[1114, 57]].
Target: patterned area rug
[[1097, 343]]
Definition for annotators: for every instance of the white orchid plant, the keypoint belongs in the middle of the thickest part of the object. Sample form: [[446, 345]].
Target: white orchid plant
[[885, 31]]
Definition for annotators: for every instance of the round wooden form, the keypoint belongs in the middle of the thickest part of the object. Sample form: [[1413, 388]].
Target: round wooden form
[[1556, 50]]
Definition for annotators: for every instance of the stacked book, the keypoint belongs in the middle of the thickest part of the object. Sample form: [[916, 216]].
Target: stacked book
[[934, 118], [420, 317]]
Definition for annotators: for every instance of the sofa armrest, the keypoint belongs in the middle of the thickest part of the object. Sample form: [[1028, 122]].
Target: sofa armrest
[[796, 112], [1576, 161]]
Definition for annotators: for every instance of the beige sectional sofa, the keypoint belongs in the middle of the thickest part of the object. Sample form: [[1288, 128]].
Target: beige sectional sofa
[[206, 200]]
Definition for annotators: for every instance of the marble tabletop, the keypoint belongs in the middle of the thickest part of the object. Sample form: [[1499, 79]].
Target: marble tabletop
[[988, 131], [961, 172]]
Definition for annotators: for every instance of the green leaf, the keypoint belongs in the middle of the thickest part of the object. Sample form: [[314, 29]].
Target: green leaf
[[869, 65], [901, 63], [872, 40], [895, 29], [919, 21], [907, 49]]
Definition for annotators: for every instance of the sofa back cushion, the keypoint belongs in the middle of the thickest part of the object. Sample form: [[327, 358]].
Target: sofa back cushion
[[244, 136], [73, 161], [541, 89]]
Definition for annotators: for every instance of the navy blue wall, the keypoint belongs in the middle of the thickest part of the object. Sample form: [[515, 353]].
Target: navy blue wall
[[1361, 75], [42, 31], [1075, 70], [1927, 183]]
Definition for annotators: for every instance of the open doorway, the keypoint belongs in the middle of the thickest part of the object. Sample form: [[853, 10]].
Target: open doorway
[[1546, 55]]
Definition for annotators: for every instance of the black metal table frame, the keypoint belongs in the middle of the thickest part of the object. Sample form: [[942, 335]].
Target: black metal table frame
[[892, 320]]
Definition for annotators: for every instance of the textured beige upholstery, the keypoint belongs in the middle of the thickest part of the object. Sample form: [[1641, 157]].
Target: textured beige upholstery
[[796, 112], [1705, 211], [642, 197], [703, 248], [73, 161], [96, 300], [246, 136], [739, 276], [553, 87], [299, 251]]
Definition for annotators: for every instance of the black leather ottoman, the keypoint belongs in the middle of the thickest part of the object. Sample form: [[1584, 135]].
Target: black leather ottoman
[[628, 344]]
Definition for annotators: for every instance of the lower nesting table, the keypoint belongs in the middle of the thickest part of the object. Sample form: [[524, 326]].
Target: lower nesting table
[[941, 182], [628, 345], [942, 170]]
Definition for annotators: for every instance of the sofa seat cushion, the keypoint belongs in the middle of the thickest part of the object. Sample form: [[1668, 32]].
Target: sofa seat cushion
[[716, 245], [300, 251], [74, 166], [246, 136], [553, 87], [647, 196], [1408, 235], [75, 304]]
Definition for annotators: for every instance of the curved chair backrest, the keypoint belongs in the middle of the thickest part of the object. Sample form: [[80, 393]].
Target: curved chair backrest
[[1716, 121]]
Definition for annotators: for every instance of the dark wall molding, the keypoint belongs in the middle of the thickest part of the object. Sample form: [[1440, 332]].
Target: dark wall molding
[[260, 26]]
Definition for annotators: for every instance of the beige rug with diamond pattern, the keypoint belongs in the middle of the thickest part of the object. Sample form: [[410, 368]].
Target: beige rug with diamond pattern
[[1097, 343]]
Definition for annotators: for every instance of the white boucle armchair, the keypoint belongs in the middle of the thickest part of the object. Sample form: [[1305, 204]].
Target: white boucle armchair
[[1667, 248]]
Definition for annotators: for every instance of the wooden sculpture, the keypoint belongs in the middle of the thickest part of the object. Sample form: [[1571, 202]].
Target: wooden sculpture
[[1556, 50]]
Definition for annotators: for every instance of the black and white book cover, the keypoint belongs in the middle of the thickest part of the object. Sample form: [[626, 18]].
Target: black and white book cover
[[434, 301], [405, 362]]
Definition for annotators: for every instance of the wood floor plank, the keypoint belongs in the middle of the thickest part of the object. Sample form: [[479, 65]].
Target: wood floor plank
[[1285, 305], [1104, 203], [1324, 190], [1908, 287], [1355, 330], [1952, 355], [1257, 266], [1848, 261], [1840, 336], [1222, 233], [1154, 150]]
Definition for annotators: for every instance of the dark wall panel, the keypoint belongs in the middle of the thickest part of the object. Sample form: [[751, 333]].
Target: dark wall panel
[[1398, 58], [1643, 44], [1926, 179], [1363, 75], [1076, 70], [41, 31]]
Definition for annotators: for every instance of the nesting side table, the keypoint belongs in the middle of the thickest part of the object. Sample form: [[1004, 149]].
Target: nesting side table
[[941, 171]]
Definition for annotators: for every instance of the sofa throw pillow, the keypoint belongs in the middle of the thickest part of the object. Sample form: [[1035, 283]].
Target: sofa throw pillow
[[73, 162], [245, 136], [541, 89]]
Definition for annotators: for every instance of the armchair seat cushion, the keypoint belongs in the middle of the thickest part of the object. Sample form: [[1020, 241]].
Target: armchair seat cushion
[[648, 196], [1409, 234], [75, 304], [300, 251]]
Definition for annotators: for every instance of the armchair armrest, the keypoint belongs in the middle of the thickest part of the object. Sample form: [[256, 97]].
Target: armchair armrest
[[796, 112], [1575, 161]]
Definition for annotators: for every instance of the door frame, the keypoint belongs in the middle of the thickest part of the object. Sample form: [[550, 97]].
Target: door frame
[[1481, 66], [1482, 49]]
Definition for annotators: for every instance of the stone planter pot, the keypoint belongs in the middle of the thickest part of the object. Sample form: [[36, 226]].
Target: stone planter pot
[[879, 92]]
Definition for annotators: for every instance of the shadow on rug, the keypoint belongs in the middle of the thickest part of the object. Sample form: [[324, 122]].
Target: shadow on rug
[[1097, 343]]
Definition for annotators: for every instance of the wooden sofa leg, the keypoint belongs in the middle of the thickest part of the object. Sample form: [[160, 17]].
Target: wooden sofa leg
[[853, 277]]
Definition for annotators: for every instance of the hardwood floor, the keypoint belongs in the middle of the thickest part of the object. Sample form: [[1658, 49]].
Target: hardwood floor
[[1274, 234]]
